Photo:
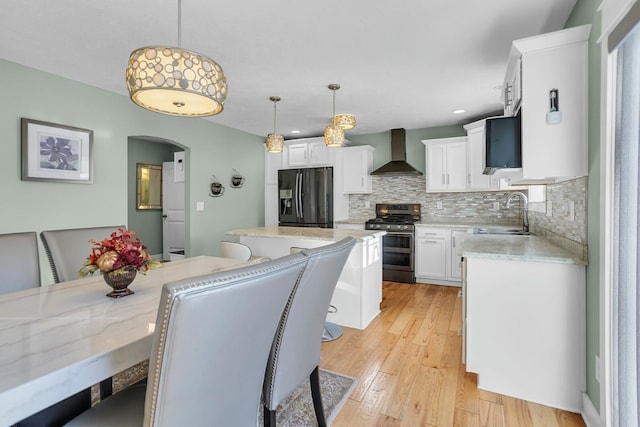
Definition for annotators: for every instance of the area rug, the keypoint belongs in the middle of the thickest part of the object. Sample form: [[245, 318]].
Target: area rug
[[297, 410]]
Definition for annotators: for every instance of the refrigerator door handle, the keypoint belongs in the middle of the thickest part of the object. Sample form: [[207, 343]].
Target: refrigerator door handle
[[297, 195], [300, 197]]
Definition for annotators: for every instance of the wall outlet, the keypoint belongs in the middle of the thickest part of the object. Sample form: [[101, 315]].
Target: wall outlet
[[572, 211], [597, 368], [367, 204], [496, 206], [199, 206], [438, 205]]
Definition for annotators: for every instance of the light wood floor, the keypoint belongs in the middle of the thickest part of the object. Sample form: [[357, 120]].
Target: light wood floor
[[408, 365]]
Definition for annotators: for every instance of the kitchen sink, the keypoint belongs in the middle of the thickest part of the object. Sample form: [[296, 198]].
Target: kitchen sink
[[504, 231]]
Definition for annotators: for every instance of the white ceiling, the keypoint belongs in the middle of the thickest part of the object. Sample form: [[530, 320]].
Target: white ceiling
[[405, 64]]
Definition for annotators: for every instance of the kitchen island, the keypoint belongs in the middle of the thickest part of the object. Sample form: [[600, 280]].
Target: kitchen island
[[358, 293], [524, 318]]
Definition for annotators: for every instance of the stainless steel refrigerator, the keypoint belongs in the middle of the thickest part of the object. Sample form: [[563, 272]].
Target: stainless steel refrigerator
[[305, 197]]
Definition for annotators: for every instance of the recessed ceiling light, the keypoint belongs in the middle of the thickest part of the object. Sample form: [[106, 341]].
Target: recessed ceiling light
[[459, 111], [295, 131]]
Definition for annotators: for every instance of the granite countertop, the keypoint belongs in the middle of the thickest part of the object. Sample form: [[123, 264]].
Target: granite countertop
[[516, 248], [329, 234], [353, 220]]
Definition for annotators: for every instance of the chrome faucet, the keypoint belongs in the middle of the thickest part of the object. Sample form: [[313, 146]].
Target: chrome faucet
[[525, 208]]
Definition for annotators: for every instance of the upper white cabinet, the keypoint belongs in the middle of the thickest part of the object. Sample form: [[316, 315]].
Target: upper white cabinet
[[554, 143], [306, 152], [357, 164], [446, 164]]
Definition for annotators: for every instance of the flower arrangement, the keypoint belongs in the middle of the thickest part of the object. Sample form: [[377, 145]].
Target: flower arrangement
[[122, 250]]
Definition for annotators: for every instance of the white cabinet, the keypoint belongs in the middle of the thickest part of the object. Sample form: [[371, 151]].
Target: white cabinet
[[554, 144], [532, 314], [512, 89], [446, 164], [436, 255], [455, 261], [307, 152], [357, 164], [431, 253]]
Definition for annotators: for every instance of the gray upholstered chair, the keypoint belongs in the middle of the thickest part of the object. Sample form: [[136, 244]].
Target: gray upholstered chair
[[67, 250], [211, 344], [295, 354], [19, 262]]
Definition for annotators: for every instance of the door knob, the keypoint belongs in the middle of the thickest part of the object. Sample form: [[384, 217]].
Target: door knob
[[164, 216]]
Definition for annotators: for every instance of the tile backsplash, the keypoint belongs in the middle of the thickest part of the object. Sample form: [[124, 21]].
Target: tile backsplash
[[560, 219], [479, 206]]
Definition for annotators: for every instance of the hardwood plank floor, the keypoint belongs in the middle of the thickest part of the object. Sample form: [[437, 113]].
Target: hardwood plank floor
[[409, 372]]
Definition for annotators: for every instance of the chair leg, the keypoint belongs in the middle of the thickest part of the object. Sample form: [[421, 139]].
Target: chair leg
[[316, 395], [269, 417]]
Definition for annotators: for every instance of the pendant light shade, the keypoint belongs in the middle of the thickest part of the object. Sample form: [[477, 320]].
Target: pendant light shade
[[176, 81], [275, 141], [333, 136], [345, 121]]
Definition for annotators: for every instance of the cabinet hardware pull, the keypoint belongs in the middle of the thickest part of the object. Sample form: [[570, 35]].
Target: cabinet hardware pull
[[460, 293], [453, 240]]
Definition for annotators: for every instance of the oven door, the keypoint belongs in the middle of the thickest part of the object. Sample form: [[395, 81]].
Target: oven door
[[397, 251]]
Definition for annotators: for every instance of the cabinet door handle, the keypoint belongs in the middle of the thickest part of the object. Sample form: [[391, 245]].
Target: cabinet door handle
[[447, 179], [444, 179], [362, 182], [469, 178], [430, 234], [453, 240]]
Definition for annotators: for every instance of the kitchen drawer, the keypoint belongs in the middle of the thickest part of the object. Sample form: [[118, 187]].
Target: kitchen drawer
[[432, 232]]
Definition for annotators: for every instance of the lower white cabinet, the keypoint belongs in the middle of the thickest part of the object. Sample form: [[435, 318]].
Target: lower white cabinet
[[436, 255], [524, 329]]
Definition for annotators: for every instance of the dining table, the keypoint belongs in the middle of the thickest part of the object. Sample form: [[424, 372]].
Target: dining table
[[59, 339]]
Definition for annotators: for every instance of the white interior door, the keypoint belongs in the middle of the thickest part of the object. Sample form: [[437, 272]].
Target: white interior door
[[172, 211]]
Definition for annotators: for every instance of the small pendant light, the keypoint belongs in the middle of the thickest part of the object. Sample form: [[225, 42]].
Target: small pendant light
[[275, 141]]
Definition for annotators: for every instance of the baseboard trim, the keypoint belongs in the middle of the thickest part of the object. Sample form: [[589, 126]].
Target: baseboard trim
[[589, 413]]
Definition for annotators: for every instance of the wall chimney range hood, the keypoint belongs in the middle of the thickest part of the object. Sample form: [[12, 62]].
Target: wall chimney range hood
[[398, 164]]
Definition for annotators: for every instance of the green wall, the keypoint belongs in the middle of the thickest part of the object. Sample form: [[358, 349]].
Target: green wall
[[415, 148], [212, 148], [146, 223], [585, 12]]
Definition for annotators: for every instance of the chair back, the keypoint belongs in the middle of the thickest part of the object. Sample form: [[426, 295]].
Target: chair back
[[19, 262], [235, 250], [67, 250], [296, 349], [211, 344]]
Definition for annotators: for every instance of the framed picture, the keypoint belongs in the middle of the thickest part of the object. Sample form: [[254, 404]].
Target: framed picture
[[57, 153]]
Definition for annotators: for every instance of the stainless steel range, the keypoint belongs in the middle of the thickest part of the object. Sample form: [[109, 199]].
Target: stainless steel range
[[398, 244]]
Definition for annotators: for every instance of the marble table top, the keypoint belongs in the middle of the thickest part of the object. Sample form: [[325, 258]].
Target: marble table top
[[328, 234], [58, 340], [518, 248]]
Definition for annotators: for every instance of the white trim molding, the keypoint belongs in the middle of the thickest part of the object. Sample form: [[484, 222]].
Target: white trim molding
[[589, 414]]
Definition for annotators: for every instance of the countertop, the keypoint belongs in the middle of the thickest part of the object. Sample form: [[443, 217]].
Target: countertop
[[516, 248], [329, 234]]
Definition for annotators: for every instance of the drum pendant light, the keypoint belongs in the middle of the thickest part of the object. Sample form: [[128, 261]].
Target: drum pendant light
[[176, 81], [275, 141]]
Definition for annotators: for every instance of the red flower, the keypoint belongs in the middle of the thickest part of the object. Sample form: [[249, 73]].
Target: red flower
[[125, 246]]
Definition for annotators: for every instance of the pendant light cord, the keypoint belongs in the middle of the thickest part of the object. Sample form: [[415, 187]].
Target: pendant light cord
[[274, 117], [334, 104], [180, 23]]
